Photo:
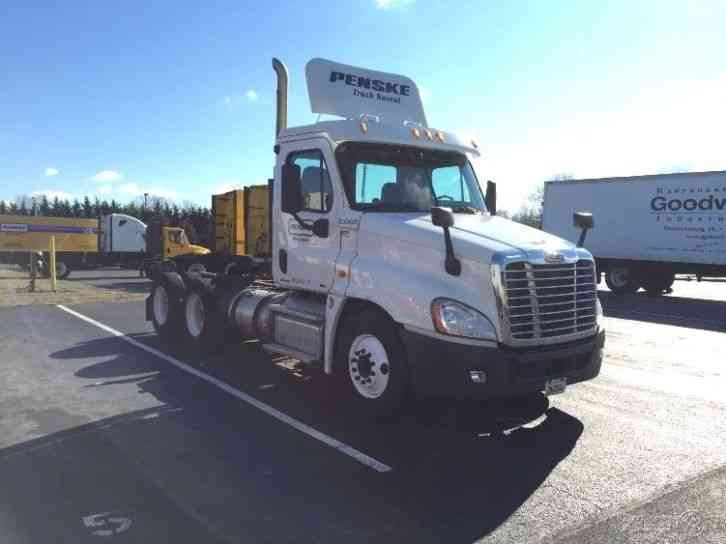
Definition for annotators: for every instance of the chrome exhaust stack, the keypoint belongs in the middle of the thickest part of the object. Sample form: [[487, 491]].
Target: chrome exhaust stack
[[281, 71]]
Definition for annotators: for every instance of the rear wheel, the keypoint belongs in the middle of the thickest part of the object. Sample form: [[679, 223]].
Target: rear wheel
[[164, 314], [203, 330], [371, 364], [621, 280], [658, 284]]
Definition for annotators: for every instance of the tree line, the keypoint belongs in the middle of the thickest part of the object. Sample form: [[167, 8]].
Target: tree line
[[196, 220]]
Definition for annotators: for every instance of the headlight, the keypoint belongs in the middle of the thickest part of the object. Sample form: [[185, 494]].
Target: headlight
[[457, 319]]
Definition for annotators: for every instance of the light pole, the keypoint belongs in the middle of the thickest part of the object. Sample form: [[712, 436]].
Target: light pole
[[146, 196]]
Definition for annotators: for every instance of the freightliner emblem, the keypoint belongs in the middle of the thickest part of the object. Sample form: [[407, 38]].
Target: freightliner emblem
[[554, 258]]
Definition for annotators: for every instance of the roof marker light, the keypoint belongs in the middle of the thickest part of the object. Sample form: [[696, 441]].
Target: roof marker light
[[429, 134], [416, 133], [440, 136], [364, 127]]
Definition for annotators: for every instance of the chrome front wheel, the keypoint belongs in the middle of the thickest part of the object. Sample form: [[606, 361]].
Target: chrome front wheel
[[368, 366]]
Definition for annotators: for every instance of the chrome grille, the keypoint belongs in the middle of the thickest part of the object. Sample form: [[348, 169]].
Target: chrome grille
[[550, 300]]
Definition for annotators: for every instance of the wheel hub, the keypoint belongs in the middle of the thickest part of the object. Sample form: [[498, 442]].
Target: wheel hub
[[195, 315], [161, 304], [368, 366]]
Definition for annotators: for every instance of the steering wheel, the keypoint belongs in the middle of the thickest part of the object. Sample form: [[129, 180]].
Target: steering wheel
[[444, 197]]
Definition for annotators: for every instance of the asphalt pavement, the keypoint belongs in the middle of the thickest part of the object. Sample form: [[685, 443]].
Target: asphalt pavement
[[102, 438]]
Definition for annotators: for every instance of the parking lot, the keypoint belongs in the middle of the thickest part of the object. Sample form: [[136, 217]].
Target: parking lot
[[106, 432]]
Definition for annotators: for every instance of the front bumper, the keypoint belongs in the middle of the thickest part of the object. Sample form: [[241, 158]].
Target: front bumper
[[441, 368]]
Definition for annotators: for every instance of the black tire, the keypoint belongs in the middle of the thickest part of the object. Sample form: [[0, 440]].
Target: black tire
[[658, 284], [356, 330], [166, 323], [202, 326], [621, 280], [196, 268]]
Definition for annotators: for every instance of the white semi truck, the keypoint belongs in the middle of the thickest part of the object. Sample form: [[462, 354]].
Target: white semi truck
[[650, 228], [389, 265]]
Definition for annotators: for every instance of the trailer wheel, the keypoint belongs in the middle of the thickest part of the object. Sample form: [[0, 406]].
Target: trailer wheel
[[658, 284], [371, 364], [203, 330], [621, 280], [164, 313]]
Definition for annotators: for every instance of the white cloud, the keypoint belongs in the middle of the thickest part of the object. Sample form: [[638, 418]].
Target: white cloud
[[50, 172], [50, 194], [105, 189], [252, 95], [227, 100], [106, 176], [386, 5], [133, 189], [130, 189]]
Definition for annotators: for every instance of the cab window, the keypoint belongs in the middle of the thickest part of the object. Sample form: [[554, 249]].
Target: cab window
[[175, 236], [317, 191], [370, 180]]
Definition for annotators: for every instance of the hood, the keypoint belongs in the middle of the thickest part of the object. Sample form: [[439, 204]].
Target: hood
[[199, 250], [511, 233], [472, 235]]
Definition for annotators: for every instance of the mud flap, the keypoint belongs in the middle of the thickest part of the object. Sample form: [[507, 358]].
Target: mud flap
[[148, 308]]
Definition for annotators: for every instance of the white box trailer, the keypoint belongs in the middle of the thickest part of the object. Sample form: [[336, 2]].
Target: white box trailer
[[647, 228]]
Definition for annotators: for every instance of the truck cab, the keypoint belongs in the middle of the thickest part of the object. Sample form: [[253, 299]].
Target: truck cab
[[175, 243], [479, 304]]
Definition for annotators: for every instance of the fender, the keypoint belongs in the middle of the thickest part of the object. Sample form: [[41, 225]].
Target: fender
[[333, 310]]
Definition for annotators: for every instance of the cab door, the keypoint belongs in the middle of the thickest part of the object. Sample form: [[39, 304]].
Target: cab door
[[303, 260]]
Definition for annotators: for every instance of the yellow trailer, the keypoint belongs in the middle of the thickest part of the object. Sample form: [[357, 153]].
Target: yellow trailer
[[242, 222], [29, 233]]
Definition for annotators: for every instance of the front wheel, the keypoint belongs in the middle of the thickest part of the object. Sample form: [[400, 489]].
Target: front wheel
[[621, 280], [371, 364]]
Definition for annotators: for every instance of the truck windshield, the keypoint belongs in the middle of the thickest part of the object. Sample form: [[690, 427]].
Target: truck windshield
[[387, 178]]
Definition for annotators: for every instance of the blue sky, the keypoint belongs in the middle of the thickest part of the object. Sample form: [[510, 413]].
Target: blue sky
[[177, 98]]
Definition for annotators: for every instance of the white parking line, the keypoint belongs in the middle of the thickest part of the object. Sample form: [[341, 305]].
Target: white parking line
[[269, 410]]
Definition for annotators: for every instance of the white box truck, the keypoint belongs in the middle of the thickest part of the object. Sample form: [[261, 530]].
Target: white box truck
[[389, 265], [649, 228]]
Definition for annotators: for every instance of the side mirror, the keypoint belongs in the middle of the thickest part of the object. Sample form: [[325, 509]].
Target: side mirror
[[291, 193], [321, 228], [584, 221], [490, 199], [442, 217]]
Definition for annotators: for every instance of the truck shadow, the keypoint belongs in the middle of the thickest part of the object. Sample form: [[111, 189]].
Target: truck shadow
[[459, 469], [687, 312]]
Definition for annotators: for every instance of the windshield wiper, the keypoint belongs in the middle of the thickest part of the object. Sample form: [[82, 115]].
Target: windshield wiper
[[464, 208], [394, 207]]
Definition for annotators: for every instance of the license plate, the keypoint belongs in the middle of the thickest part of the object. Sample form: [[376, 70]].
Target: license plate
[[555, 386]]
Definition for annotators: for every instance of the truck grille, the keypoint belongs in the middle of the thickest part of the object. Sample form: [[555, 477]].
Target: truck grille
[[550, 300]]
